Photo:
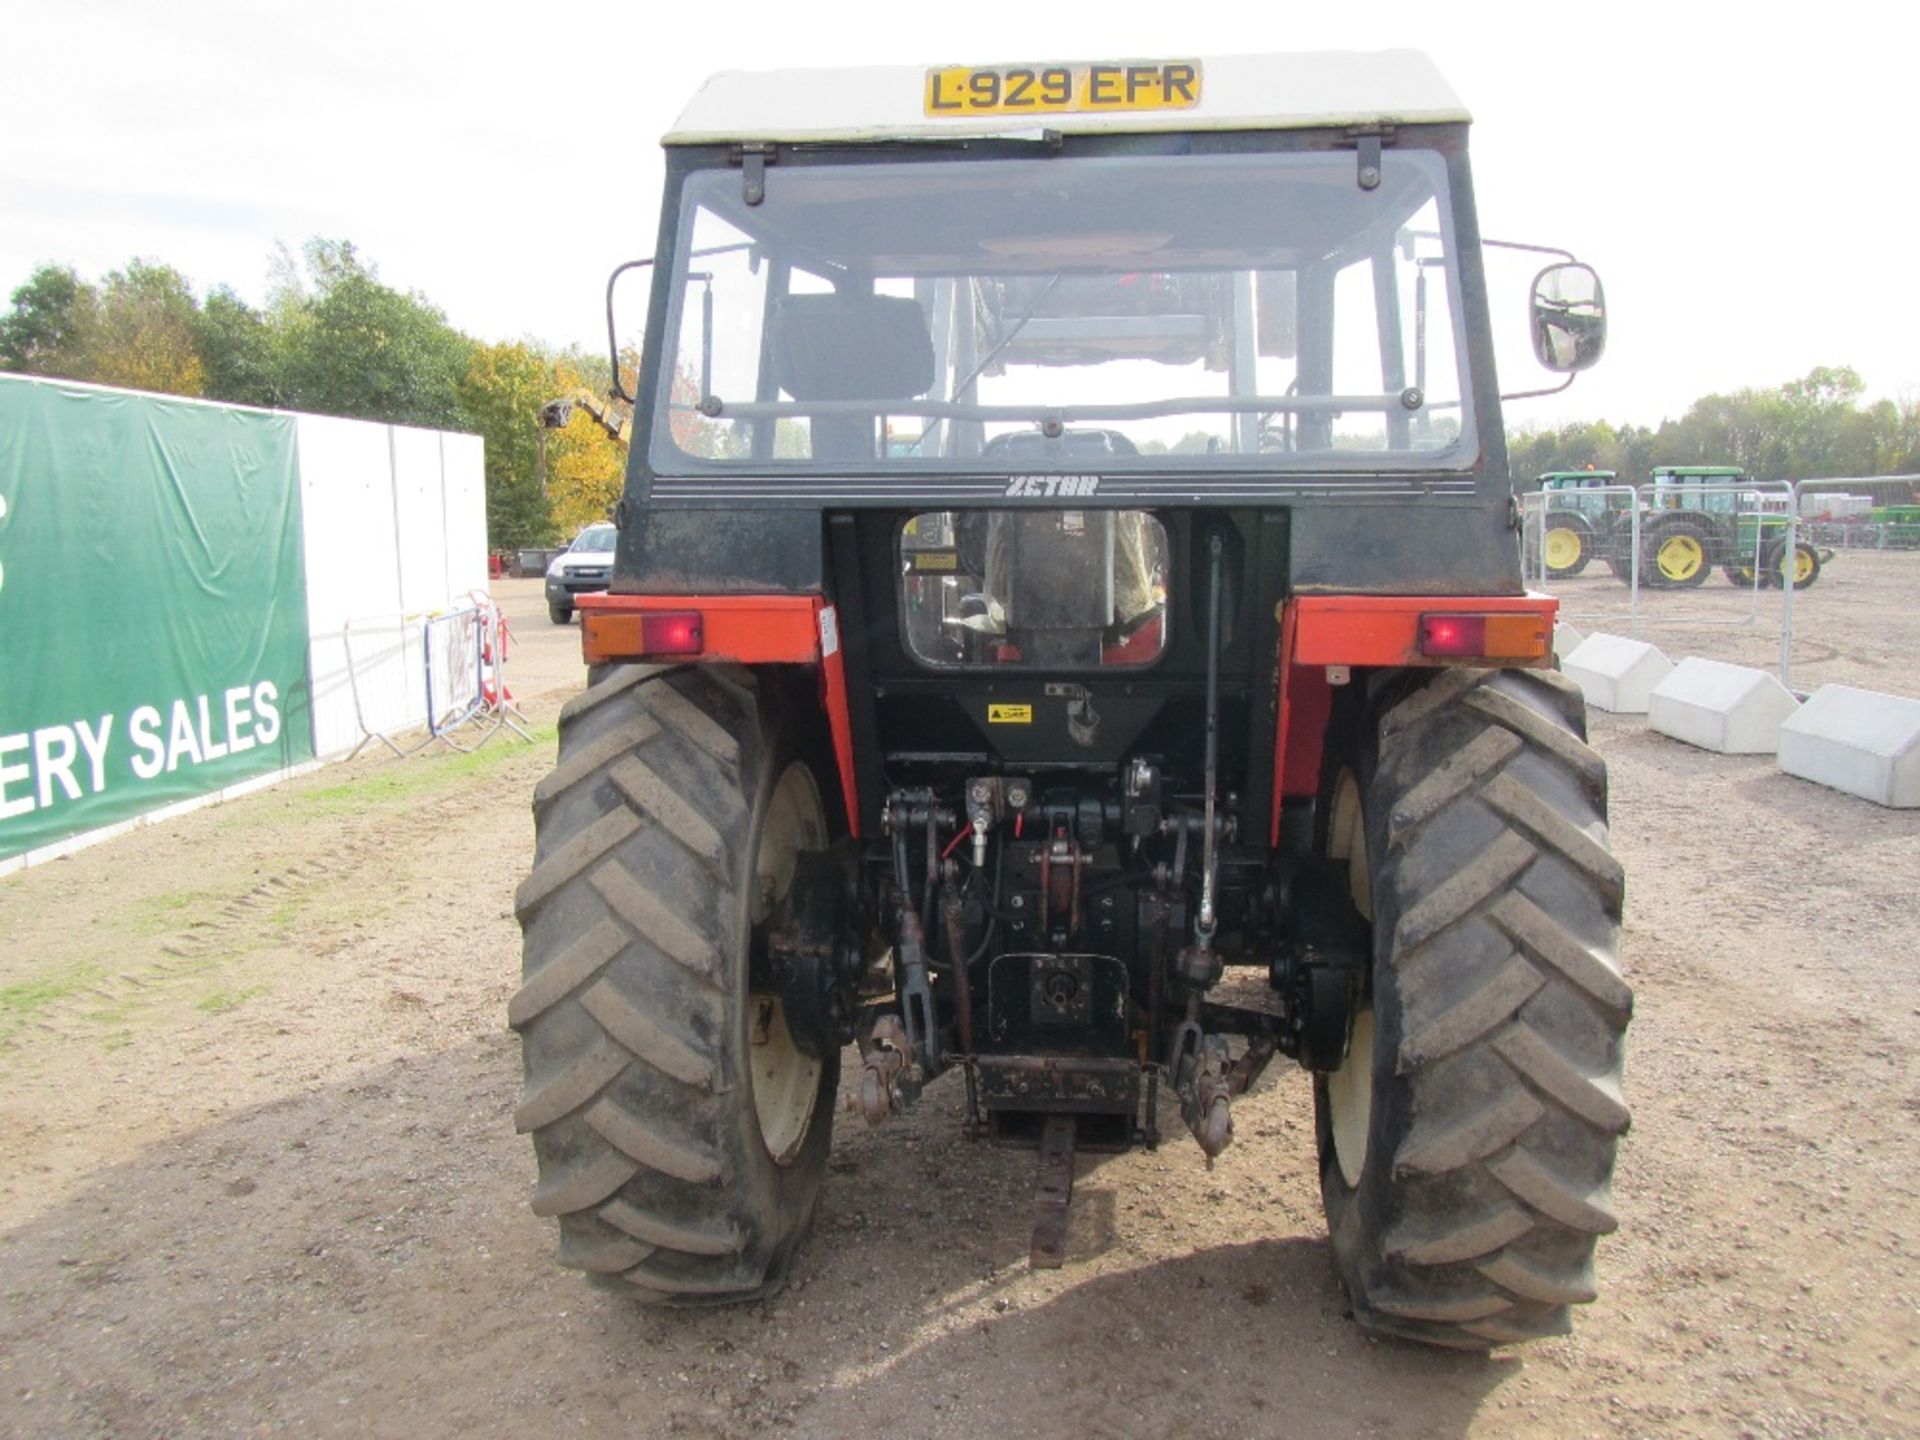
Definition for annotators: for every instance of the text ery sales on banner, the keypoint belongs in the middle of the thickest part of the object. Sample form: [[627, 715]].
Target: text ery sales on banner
[[153, 606]]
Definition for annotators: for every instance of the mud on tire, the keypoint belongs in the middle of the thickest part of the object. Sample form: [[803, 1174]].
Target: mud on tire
[[638, 1034], [1498, 1016]]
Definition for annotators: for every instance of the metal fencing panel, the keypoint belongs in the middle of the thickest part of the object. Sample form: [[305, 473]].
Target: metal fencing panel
[[1728, 571], [440, 677]]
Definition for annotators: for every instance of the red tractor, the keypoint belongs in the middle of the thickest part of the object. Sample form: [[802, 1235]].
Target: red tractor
[[1067, 558]]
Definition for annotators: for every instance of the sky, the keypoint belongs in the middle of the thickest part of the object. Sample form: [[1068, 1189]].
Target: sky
[[1738, 175]]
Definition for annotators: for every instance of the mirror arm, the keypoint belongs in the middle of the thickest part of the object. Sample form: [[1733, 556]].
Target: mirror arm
[[1550, 390], [614, 386], [1566, 255]]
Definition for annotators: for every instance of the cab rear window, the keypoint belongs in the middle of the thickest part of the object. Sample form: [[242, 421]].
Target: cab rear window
[[1046, 588]]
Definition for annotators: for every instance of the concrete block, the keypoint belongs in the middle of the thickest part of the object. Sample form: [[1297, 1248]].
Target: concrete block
[[1859, 741], [1566, 640], [1727, 708], [1617, 674]]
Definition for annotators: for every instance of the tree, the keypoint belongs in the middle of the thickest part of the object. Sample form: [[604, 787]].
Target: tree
[[586, 467], [145, 333], [1807, 427], [1825, 431], [1904, 446], [1812, 427], [237, 348], [500, 397], [505, 388], [45, 332], [350, 345]]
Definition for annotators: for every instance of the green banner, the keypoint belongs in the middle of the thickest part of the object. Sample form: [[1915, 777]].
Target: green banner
[[152, 605]]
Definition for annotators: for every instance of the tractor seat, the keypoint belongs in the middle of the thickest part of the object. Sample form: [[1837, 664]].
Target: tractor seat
[[850, 347]]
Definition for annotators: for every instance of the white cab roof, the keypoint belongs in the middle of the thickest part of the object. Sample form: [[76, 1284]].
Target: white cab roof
[[1238, 92]]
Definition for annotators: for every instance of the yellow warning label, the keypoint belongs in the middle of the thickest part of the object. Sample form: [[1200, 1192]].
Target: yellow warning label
[[1009, 714]]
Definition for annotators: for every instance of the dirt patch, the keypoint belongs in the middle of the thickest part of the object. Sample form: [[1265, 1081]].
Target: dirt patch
[[258, 1173]]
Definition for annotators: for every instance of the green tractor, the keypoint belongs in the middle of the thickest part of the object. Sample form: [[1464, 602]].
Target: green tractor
[[1697, 520], [1580, 520], [1897, 525]]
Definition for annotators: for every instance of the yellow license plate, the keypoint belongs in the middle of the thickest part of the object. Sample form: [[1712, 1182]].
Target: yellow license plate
[[961, 90]]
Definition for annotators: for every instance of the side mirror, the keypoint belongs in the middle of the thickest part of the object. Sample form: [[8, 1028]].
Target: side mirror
[[614, 387], [1569, 318]]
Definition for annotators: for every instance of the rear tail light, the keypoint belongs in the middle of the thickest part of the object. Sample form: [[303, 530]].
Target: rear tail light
[[640, 635], [671, 632], [1519, 636]]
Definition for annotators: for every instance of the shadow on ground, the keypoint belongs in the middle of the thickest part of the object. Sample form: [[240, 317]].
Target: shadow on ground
[[359, 1260]]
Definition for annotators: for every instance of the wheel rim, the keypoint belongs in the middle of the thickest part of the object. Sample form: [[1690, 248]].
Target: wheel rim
[[1350, 1088], [1563, 548], [786, 1081], [1680, 557], [1802, 566]]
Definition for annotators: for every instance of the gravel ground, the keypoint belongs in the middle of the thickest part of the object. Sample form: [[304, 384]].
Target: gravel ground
[[1854, 625], [258, 1172]]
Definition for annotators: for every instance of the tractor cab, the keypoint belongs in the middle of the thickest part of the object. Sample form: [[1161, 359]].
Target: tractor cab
[[1573, 481], [1579, 520], [1711, 489], [1574, 490]]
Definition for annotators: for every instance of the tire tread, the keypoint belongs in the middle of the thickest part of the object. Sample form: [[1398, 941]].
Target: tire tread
[[628, 999], [1500, 906]]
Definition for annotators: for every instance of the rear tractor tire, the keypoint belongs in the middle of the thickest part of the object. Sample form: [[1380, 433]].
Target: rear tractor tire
[[680, 1132], [1467, 1143], [1568, 546], [1679, 555]]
